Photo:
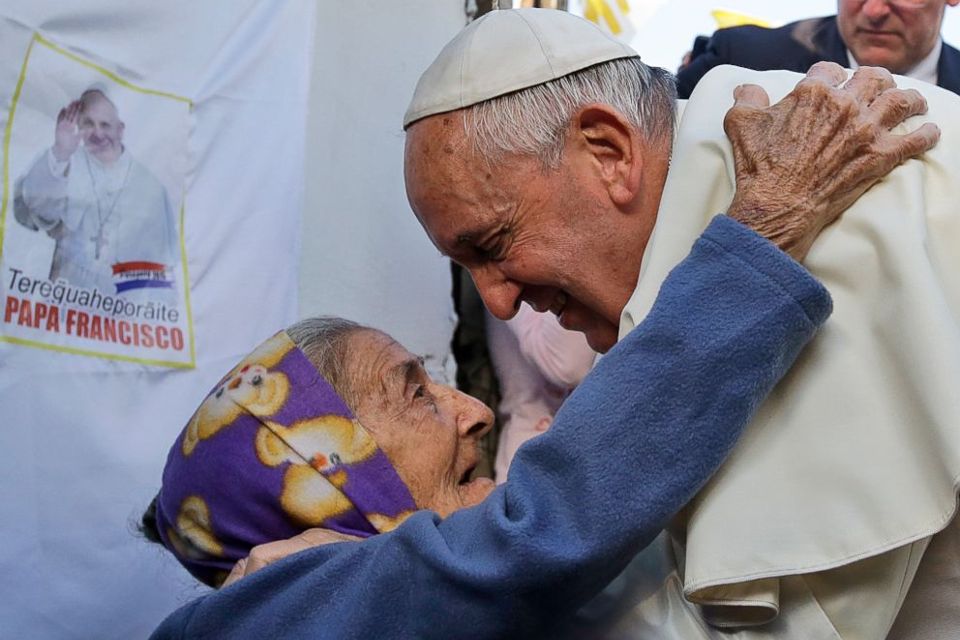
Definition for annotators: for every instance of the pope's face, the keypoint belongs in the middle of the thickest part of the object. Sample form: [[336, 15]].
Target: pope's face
[[525, 233], [429, 431], [101, 129], [894, 35]]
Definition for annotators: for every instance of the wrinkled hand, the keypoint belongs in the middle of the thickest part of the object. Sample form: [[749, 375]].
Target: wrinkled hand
[[805, 160], [67, 134], [266, 554]]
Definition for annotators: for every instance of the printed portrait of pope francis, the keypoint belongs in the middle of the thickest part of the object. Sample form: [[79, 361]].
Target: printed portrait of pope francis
[[110, 217]]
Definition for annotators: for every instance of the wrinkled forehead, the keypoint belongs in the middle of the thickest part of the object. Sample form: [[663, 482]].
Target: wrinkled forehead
[[435, 148], [376, 359], [451, 187]]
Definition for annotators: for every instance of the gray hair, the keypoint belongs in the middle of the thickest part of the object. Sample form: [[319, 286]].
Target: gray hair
[[534, 121], [324, 340]]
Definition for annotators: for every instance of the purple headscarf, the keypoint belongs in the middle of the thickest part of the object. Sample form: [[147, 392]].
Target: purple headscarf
[[273, 450]]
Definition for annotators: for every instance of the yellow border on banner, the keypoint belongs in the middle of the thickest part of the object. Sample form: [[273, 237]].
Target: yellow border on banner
[[110, 74], [8, 132], [186, 278], [97, 354]]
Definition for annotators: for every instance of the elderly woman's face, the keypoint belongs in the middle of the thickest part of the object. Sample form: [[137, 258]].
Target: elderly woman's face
[[430, 432]]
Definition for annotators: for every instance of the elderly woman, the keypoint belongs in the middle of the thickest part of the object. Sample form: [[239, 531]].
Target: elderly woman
[[275, 447], [278, 447]]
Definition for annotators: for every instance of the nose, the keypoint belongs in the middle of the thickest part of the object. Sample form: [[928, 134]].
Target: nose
[[96, 134], [500, 294], [474, 419], [875, 9]]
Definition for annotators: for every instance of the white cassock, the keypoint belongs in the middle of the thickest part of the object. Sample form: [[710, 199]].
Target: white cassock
[[834, 516], [99, 215]]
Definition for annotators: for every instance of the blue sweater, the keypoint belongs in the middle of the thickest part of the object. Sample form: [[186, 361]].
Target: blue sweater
[[636, 440]]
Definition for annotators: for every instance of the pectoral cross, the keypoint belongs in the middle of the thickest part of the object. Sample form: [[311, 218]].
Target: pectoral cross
[[99, 241]]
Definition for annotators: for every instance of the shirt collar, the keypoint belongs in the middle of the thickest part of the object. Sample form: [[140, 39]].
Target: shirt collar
[[925, 70]]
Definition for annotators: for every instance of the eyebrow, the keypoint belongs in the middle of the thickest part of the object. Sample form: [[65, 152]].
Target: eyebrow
[[479, 234], [401, 373], [483, 233], [489, 225]]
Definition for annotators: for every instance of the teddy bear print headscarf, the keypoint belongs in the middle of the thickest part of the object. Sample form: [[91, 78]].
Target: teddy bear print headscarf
[[271, 451]]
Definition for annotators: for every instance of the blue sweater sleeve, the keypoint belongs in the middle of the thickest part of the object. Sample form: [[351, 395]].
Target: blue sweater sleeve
[[634, 442]]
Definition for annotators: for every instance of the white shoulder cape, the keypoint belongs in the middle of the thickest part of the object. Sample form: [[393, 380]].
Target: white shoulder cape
[[856, 454]]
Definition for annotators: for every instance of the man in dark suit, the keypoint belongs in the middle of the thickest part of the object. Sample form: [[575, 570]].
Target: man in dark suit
[[901, 35]]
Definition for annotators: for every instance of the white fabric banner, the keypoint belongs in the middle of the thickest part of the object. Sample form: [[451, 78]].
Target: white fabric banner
[[93, 266], [150, 237]]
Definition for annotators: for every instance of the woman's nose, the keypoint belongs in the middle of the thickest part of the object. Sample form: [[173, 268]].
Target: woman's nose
[[474, 419]]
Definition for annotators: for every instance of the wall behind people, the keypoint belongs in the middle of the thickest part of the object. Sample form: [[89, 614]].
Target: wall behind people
[[364, 256], [214, 99]]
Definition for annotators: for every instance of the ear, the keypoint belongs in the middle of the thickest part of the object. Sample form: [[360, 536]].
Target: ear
[[615, 149]]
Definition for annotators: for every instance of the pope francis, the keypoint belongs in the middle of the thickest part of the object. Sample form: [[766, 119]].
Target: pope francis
[[102, 207]]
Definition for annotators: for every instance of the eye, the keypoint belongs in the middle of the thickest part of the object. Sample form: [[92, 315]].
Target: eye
[[494, 251], [494, 244], [421, 393]]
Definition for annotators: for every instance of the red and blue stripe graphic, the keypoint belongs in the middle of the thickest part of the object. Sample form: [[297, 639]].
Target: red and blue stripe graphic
[[140, 274]]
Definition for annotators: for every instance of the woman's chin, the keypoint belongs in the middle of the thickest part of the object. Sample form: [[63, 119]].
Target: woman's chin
[[462, 496], [475, 491]]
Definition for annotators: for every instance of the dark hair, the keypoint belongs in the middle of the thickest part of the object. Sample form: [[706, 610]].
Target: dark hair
[[324, 340], [148, 523]]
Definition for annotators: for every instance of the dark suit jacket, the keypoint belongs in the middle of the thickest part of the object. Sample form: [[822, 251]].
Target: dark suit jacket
[[793, 47]]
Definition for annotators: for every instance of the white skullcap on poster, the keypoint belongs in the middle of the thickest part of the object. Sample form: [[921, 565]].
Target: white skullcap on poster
[[506, 51]]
